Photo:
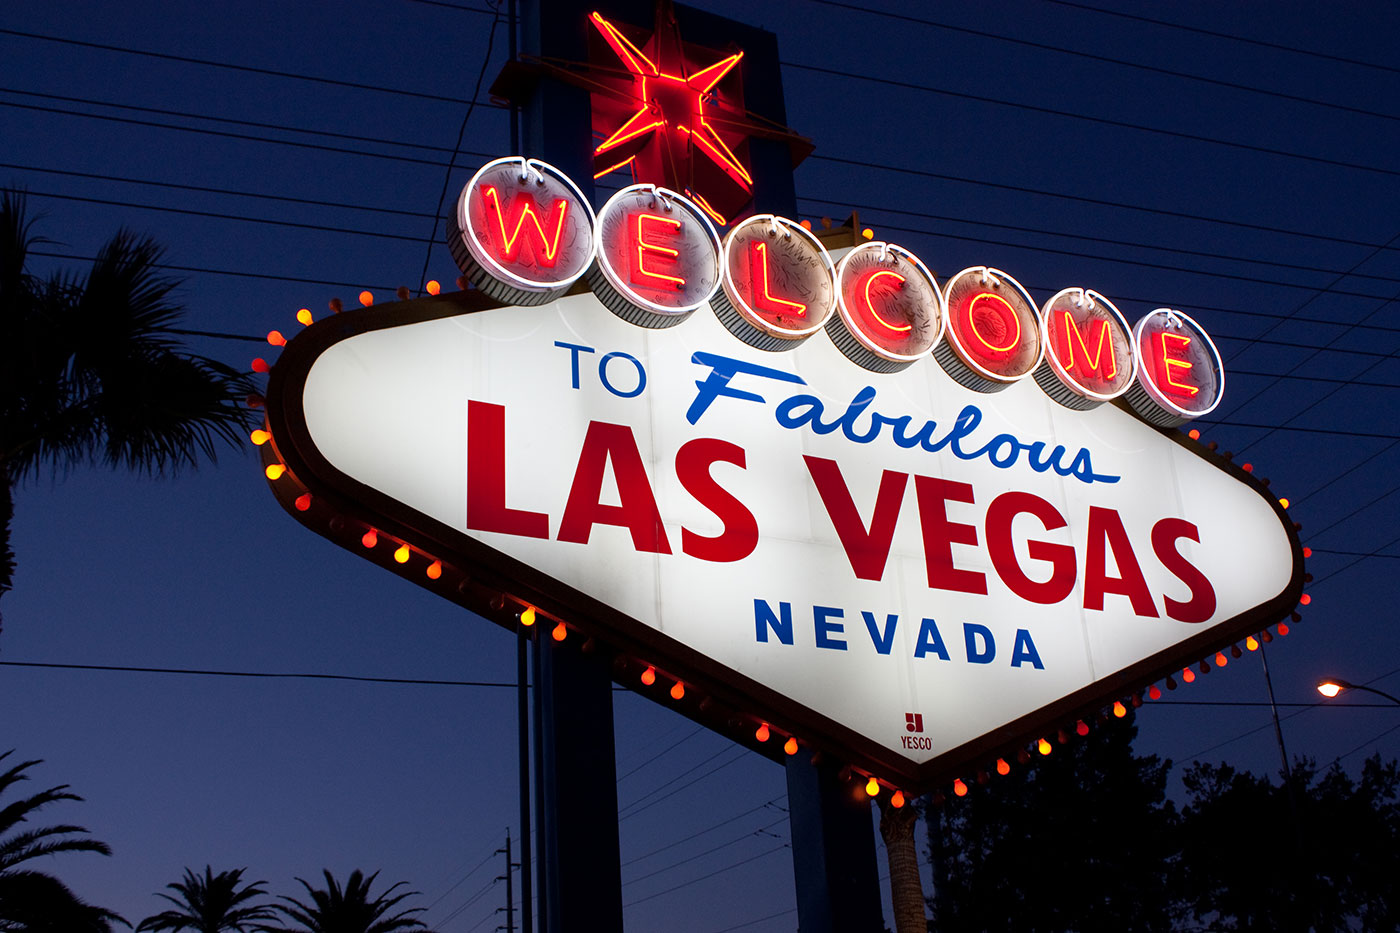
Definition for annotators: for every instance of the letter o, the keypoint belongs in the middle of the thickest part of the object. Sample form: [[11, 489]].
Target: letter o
[[603, 374]]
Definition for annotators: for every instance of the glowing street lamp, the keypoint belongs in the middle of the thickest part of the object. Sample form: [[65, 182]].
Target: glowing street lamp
[[1335, 685]]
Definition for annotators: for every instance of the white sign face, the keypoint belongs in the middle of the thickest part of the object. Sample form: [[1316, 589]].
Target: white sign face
[[873, 547]]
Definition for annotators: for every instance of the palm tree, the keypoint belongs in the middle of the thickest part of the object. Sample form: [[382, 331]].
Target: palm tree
[[32, 901], [91, 369], [350, 910], [212, 904]]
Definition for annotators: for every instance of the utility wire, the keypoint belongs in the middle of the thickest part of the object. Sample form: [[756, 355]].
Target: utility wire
[[1100, 121], [457, 148], [705, 877], [209, 189], [1261, 43], [670, 748], [232, 66], [260, 674], [225, 134], [1112, 241], [749, 923], [233, 121], [1081, 54], [762, 830], [693, 836], [1082, 199], [302, 280]]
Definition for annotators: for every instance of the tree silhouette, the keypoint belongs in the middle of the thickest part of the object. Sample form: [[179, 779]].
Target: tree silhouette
[[1329, 862], [32, 901], [91, 369], [1084, 840], [334, 909], [211, 904]]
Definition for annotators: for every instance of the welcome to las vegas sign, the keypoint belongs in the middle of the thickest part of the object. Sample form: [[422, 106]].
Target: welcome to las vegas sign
[[808, 500]]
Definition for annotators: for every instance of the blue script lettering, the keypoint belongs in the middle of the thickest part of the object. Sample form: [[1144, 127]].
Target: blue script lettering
[[860, 425]]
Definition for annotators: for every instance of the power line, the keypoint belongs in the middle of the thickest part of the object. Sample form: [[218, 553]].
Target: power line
[[457, 148], [1112, 241], [1084, 199], [1231, 37], [749, 923], [1109, 60], [258, 124], [265, 675], [233, 272], [209, 189], [693, 836], [1101, 121], [225, 134], [690, 858], [220, 215], [233, 66], [670, 748], [705, 877]]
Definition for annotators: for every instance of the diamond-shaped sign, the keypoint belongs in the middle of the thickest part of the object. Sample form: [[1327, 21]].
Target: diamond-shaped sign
[[906, 574]]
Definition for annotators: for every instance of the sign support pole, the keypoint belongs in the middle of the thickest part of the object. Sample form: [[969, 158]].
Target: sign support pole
[[833, 850], [579, 882], [832, 833]]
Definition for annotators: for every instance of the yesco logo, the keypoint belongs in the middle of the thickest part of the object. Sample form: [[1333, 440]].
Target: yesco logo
[[524, 233]]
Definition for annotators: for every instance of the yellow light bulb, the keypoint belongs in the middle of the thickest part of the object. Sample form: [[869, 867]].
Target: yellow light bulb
[[527, 618], [275, 470], [1043, 747], [304, 317], [872, 788], [259, 437], [401, 554], [1119, 709]]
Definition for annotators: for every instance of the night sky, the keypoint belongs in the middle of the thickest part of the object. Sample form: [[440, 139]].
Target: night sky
[[1237, 162]]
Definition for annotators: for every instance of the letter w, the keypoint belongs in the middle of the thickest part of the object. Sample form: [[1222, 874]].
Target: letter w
[[545, 246], [867, 548]]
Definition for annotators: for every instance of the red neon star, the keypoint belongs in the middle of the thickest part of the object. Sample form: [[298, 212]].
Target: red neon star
[[667, 111]]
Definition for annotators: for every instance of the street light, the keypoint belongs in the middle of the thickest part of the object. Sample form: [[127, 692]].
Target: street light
[[1335, 685]]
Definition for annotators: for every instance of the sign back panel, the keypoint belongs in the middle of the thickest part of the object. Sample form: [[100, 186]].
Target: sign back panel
[[838, 553]]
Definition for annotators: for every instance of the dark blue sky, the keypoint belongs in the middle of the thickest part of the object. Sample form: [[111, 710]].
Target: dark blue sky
[[1267, 214]]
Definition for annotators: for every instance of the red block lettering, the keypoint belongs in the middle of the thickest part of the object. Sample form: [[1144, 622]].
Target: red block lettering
[[1106, 528], [637, 513], [486, 477], [1000, 515], [1201, 605], [866, 548], [940, 535], [740, 535]]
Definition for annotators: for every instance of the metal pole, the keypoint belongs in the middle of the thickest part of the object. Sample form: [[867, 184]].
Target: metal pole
[[522, 712], [510, 889]]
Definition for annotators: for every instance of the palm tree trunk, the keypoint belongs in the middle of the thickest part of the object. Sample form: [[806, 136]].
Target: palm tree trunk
[[906, 887], [7, 512]]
